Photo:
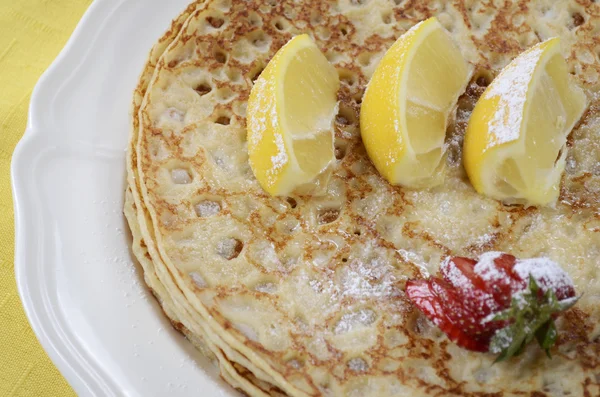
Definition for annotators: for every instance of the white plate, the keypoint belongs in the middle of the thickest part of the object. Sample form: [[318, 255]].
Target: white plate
[[84, 296]]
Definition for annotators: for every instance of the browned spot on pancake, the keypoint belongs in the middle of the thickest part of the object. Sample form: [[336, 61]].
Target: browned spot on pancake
[[203, 89], [538, 394], [578, 19], [215, 22], [576, 327]]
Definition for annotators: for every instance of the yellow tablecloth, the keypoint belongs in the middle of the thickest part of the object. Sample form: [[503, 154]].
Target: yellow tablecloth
[[32, 32]]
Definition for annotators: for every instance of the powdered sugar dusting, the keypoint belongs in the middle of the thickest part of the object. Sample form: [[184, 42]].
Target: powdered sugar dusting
[[455, 276], [255, 118], [358, 365], [198, 280], [484, 239], [510, 87], [351, 321], [545, 272], [281, 158], [486, 269], [374, 279]]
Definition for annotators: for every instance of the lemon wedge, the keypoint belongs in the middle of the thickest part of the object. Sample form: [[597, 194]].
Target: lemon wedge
[[514, 147], [290, 117], [407, 104]]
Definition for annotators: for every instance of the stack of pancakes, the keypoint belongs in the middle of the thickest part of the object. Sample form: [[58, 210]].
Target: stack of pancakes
[[304, 295]]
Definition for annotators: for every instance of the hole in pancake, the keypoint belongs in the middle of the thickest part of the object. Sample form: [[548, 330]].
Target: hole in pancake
[[175, 114], [347, 77], [344, 30], [386, 17], [295, 363], [158, 150], [260, 40], [234, 75], [215, 22], [181, 176], [346, 115], [281, 24], [288, 225], [358, 168], [184, 56], [264, 254], [289, 262], [357, 364], [291, 202], [437, 5], [481, 81], [290, 12], [255, 72], [578, 19], [483, 78], [340, 149], [229, 248], [357, 232], [267, 287], [341, 120], [203, 89], [333, 57], [223, 5], [358, 319], [327, 215], [483, 375], [207, 208], [365, 58], [572, 69], [220, 56], [223, 120], [315, 17], [198, 280], [221, 160], [323, 33], [225, 94], [254, 19]]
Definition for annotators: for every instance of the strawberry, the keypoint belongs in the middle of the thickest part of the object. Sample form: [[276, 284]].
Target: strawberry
[[497, 304]]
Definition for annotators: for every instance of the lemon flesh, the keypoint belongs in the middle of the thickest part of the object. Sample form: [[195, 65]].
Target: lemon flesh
[[514, 147], [290, 116], [407, 104]]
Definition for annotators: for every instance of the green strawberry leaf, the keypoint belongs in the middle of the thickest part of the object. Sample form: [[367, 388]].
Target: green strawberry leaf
[[546, 336], [530, 316]]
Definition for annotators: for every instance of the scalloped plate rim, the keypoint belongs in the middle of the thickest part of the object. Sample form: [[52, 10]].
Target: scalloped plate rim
[[66, 352]]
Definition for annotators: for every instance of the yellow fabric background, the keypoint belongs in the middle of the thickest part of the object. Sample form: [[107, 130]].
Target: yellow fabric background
[[32, 33]]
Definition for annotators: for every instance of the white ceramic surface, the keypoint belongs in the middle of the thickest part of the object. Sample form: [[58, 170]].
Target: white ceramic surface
[[81, 290]]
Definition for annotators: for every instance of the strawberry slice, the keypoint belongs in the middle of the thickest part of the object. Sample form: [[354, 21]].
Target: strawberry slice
[[496, 304], [473, 290], [424, 296], [502, 279]]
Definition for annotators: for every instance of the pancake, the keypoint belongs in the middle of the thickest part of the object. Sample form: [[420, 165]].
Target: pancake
[[304, 295], [234, 376]]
